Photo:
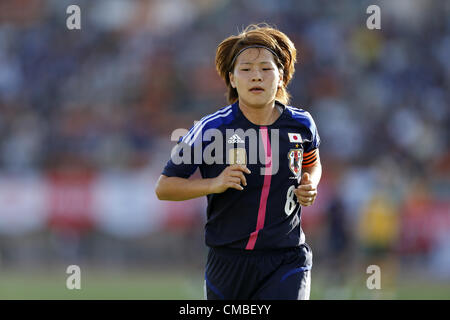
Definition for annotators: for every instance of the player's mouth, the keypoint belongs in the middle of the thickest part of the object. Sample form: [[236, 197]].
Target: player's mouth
[[256, 89]]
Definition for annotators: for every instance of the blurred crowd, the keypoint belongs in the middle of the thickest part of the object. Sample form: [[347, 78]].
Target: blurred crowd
[[87, 116]]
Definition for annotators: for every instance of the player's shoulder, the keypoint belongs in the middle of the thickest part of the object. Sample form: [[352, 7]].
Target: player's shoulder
[[211, 121], [217, 118], [300, 115]]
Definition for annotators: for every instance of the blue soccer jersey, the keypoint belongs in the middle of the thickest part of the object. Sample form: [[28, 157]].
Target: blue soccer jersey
[[266, 214]]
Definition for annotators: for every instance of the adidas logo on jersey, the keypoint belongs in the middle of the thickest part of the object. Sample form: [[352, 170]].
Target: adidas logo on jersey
[[235, 139]]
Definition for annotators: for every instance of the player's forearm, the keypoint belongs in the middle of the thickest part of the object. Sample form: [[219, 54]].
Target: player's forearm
[[179, 189], [315, 172]]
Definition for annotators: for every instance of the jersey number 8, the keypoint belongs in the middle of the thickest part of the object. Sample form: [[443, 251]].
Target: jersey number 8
[[291, 201]]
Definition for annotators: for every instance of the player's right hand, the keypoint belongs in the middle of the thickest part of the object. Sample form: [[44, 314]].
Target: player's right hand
[[231, 177]]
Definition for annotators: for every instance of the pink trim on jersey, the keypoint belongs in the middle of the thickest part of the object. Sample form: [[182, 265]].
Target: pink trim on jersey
[[265, 190]]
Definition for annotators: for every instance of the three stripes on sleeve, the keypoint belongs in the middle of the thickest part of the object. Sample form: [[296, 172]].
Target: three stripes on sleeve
[[309, 159]]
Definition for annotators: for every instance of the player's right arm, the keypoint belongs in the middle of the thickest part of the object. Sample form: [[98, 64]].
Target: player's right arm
[[179, 189]]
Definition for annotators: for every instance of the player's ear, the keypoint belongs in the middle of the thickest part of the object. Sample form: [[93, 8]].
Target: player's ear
[[232, 83]]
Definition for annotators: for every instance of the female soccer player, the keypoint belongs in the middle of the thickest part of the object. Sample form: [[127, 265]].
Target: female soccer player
[[259, 162]]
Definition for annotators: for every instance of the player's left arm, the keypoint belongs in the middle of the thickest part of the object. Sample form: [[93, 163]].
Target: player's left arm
[[312, 172]]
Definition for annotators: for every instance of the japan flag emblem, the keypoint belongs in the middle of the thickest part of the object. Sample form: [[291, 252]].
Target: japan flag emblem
[[295, 137]]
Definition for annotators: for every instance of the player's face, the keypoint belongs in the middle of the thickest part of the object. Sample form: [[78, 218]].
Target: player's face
[[256, 77]]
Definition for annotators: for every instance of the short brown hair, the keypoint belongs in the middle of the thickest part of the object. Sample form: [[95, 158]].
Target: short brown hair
[[263, 35]]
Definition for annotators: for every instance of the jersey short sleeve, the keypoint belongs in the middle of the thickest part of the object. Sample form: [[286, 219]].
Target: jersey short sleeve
[[176, 168], [311, 145], [186, 156]]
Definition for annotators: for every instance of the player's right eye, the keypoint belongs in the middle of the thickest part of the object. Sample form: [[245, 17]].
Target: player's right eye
[[245, 69]]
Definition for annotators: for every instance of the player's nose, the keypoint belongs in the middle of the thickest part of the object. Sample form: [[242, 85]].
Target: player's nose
[[256, 76]]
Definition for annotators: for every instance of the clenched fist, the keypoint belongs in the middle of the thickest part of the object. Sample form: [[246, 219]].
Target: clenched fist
[[306, 192], [231, 177]]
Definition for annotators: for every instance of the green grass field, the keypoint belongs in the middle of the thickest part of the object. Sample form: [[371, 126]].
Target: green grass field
[[178, 285]]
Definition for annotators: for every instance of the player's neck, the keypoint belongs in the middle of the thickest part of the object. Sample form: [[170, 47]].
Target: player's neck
[[260, 115]]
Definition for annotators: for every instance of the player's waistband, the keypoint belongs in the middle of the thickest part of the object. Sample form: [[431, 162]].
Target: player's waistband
[[257, 252]]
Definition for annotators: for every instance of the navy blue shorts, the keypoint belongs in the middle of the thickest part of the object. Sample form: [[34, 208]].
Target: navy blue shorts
[[236, 274]]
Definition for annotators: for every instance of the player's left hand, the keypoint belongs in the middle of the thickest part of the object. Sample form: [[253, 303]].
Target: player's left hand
[[306, 192]]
